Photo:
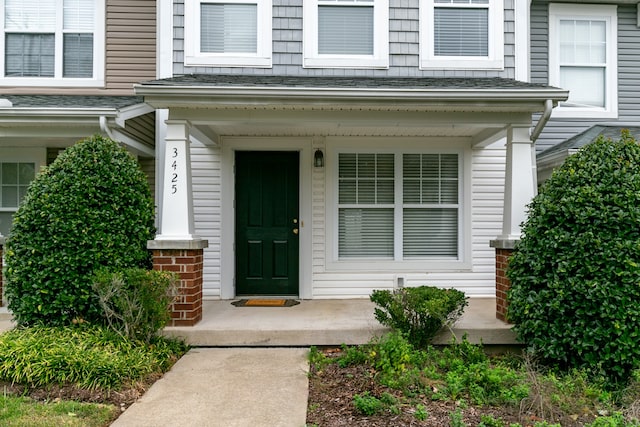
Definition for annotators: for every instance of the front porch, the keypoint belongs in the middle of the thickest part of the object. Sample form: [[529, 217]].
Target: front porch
[[323, 322]]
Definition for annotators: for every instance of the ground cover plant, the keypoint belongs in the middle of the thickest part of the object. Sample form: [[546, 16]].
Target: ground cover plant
[[80, 363], [575, 272], [16, 411], [388, 382]]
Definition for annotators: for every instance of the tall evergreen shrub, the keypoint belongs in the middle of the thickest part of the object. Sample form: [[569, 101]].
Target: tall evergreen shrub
[[575, 274], [91, 208]]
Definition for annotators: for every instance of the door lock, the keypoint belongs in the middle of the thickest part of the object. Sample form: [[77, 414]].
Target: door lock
[[295, 231]]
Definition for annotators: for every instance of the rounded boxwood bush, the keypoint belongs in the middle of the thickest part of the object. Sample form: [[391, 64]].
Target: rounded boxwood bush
[[91, 208], [575, 274]]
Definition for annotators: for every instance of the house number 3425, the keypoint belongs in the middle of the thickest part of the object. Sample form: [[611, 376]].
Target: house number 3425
[[174, 174]]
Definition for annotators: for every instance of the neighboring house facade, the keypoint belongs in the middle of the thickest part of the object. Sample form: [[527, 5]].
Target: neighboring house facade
[[591, 49], [327, 148], [67, 70]]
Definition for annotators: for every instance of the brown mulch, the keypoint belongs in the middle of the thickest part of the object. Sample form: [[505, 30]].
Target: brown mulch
[[119, 398], [332, 389]]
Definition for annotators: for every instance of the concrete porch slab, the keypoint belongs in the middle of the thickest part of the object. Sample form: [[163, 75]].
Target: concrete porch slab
[[323, 322]]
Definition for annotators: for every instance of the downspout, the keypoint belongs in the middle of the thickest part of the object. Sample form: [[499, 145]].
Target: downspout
[[105, 128], [537, 130]]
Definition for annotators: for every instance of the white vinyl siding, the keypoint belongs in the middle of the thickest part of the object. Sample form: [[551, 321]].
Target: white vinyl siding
[[53, 42], [582, 59], [346, 33], [233, 33], [461, 34]]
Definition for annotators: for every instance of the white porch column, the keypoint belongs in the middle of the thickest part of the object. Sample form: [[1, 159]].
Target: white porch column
[[177, 198], [520, 182]]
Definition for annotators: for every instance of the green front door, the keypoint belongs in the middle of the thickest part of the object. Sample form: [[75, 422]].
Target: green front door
[[266, 223]]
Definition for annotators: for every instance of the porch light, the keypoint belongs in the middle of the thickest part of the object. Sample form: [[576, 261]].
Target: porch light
[[318, 159]]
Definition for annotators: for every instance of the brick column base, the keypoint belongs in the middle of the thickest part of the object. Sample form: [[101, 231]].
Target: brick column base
[[186, 259], [504, 250]]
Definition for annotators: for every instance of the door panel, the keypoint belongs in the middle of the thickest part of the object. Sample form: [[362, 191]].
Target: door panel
[[267, 223]]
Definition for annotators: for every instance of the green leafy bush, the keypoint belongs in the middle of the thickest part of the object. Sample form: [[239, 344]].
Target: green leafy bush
[[419, 312], [90, 208], [367, 404], [575, 273], [87, 356], [135, 301]]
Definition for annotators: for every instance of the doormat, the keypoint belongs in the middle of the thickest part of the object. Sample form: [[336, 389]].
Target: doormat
[[265, 303]]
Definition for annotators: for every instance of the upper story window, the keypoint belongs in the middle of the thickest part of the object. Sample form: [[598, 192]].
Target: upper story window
[[52, 43], [346, 33], [228, 33], [582, 59], [461, 34]]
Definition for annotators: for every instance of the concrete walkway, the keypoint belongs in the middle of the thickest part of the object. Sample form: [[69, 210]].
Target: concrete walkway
[[227, 387]]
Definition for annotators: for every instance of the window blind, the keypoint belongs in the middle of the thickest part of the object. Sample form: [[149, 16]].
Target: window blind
[[30, 15], [78, 55], [29, 55], [344, 30], [430, 229], [461, 31], [227, 28], [365, 197]]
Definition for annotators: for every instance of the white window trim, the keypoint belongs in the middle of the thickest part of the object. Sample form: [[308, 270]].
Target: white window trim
[[495, 58], [193, 57], [608, 13], [335, 146], [380, 57], [98, 55]]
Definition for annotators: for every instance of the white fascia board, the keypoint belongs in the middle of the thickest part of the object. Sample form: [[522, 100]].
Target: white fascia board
[[131, 112], [170, 96]]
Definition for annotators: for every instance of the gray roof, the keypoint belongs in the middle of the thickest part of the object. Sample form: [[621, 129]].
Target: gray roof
[[345, 82], [72, 101], [587, 137]]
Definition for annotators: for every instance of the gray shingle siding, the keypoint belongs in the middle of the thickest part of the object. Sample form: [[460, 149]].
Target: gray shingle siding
[[558, 130], [404, 27]]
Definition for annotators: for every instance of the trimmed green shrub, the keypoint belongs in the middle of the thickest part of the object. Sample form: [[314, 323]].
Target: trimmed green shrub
[[135, 302], [90, 208], [418, 312], [575, 273]]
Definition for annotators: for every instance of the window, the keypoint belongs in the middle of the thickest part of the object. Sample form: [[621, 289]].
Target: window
[[346, 33], [461, 34], [53, 42], [582, 59], [402, 206], [14, 180], [229, 33]]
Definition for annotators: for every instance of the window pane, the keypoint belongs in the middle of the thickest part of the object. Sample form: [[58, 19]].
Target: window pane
[[430, 233], [365, 233], [344, 30], [347, 191], [5, 222], [9, 174], [582, 42], [30, 15], [29, 55], [78, 15], [366, 191], [347, 165], [461, 32], [9, 196], [78, 55], [26, 173], [430, 178], [585, 85], [226, 28]]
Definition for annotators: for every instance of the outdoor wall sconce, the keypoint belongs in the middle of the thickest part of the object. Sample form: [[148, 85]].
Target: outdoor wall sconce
[[318, 159]]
